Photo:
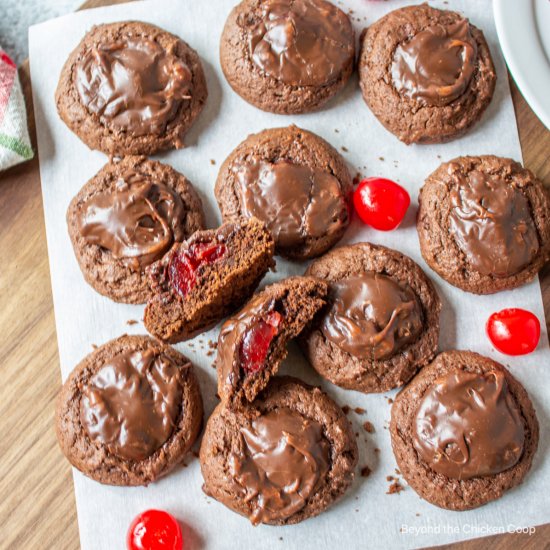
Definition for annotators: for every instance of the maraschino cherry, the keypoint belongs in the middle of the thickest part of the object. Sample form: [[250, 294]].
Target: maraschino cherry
[[381, 203], [154, 530], [514, 331]]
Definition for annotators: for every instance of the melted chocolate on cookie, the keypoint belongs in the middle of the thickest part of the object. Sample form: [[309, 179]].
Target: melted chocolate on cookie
[[295, 202], [436, 65], [492, 225], [372, 316], [137, 222], [284, 459], [301, 42], [133, 85], [132, 403], [468, 425]]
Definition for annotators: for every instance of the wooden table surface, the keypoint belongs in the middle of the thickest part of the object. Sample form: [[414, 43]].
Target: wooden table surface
[[37, 505]]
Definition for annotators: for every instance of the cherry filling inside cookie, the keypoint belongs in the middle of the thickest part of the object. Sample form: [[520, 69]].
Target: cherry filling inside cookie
[[132, 403], [133, 85], [284, 458], [184, 264], [137, 222], [257, 340], [296, 202], [436, 65], [372, 316], [301, 42], [492, 224], [469, 425]]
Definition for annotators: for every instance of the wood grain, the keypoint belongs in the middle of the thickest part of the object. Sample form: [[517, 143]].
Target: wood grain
[[37, 508]]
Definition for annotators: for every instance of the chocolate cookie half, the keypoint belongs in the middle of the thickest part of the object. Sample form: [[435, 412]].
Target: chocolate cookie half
[[381, 323], [464, 431], [484, 223], [292, 180], [129, 411], [287, 56], [252, 344], [131, 88], [283, 459], [125, 218], [205, 278], [426, 74]]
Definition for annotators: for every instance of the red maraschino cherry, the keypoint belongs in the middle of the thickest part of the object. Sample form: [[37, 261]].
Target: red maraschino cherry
[[256, 342], [381, 203], [514, 331], [154, 530]]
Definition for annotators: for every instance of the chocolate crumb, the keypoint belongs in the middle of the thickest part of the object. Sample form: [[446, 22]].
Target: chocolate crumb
[[395, 488], [345, 149], [346, 409], [381, 158], [365, 471], [369, 427], [212, 162]]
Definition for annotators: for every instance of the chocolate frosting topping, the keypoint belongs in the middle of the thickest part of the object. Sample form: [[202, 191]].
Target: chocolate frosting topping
[[285, 458], [301, 42], [137, 222], [133, 85], [469, 425], [436, 65], [294, 201], [131, 404], [371, 316], [492, 224]]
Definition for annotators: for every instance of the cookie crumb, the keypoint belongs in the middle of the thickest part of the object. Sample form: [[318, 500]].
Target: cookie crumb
[[381, 158], [345, 149], [395, 488], [368, 427], [212, 162], [131, 322], [365, 471], [359, 410], [346, 409], [95, 346], [336, 130]]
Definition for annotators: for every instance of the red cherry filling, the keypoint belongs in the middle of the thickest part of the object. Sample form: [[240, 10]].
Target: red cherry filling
[[154, 530], [183, 266], [256, 342]]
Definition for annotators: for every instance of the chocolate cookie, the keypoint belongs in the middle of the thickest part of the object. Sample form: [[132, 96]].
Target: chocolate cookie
[[252, 344], [205, 278], [131, 88], [287, 56], [484, 223], [292, 180], [129, 411], [381, 323], [283, 459], [463, 431], [426, 74], [125, 218]]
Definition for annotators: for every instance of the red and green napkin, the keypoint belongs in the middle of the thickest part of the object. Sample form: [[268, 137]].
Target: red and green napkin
[[15, 146]]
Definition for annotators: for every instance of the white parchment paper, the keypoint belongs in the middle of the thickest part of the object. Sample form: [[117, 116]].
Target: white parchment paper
[[367, 517]]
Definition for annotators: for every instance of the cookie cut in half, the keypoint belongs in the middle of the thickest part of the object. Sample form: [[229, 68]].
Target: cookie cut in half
[[253, 343], [127, 217], [285, 458], [204, 279], [129, 412], [295, 182], [287, 56], [464, 431], [381, 323], [130, 88], [484, 223], [426, 74]]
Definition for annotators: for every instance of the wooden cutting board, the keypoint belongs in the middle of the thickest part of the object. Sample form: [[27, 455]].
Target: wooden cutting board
[[37, 506]]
